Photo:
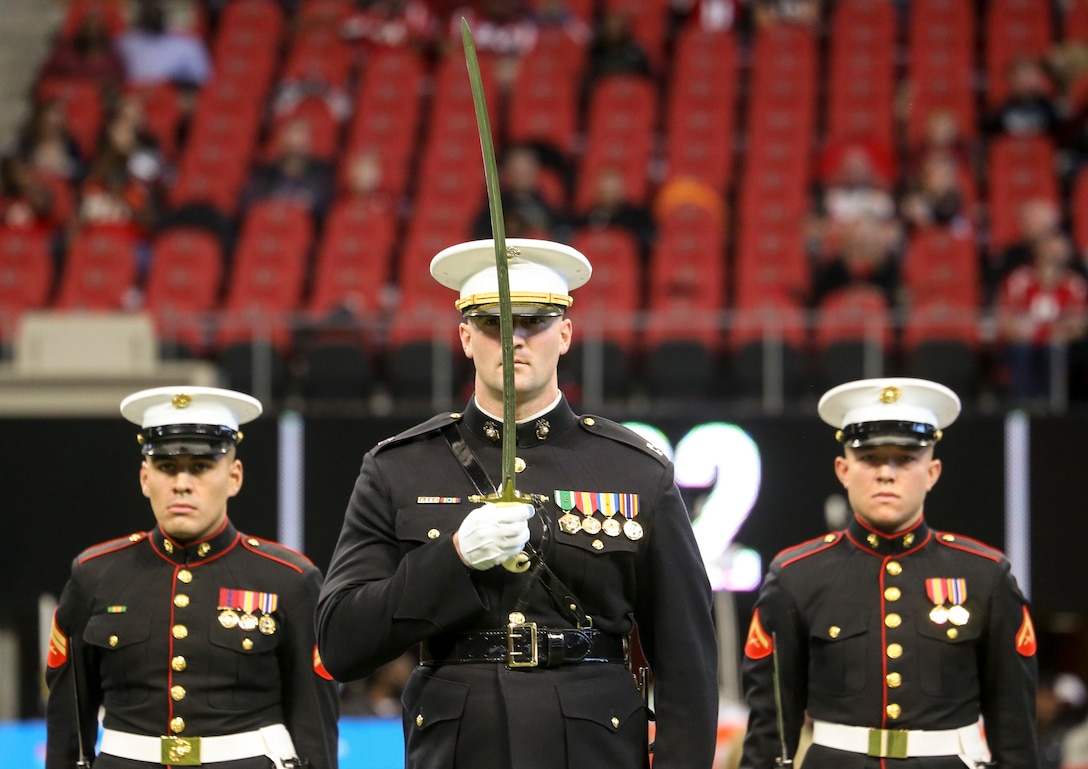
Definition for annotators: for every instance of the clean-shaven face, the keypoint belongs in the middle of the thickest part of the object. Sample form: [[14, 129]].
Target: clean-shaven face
[[887, 485], [189, 494]]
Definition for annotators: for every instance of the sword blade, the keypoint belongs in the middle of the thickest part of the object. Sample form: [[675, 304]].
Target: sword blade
[[507, 493]]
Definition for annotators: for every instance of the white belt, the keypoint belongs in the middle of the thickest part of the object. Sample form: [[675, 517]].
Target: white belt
[[271, 741], [966, 742]]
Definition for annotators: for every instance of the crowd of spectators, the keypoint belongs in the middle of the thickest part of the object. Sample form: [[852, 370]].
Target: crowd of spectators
[[867, 199]]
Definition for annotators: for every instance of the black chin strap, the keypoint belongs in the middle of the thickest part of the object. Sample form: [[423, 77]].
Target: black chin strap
[[562, 597]]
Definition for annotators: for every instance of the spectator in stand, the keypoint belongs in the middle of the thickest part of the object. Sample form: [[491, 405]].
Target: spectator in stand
[[1029, 108], [940, 135], [614, 50], [88, 54], [363, 181], [379, 24], [154, 53], [709, 15], [866, 255], [145, 160], [805, 13], [502, 31], [1041, 308], [25, 201], [113, 195], [612, 207], [295, 173], [523, 196], [1059, 706], [557, 14], [47, 145], [1038, 218], [935, 198]]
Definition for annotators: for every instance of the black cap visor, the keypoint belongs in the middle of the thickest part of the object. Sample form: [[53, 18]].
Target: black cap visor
[[888, 433], [187, 440]]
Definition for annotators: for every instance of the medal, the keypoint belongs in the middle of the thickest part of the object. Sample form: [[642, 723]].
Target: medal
[[632, 529], [228, 618], [569, 524], [591, 525], [247, 621], [958, 615], [266, 624], [939, 615], [611, 527]]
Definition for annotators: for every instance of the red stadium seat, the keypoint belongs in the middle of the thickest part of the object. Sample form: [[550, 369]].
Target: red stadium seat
[[100, 270], [26, 274], [184, 280]]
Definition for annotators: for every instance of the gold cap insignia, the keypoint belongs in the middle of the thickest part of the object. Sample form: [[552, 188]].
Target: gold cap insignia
[[181, 401], [890, 394]]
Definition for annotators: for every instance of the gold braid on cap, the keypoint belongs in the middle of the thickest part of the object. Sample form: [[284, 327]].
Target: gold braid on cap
[[516, 297]]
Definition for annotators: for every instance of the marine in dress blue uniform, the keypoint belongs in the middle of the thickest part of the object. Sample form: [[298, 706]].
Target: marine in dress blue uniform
[[906, 646], [525, 670], [198, 650]]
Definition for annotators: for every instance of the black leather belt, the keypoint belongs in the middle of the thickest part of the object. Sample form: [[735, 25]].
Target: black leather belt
[[526, 646]]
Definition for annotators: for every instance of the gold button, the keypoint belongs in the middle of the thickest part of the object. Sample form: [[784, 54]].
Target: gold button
[[894, 680], [455, 415], [598, 545], [893, 620], [247, 643], [829, 538], [179, 631], [113, 640], [178, 663], [834, 631], [135, 537], [434, 534], [895, 651], [254, 541], [948, 537], [893, 711], [894, 568], [589, 421], [181, 600], [185, 576], [893, 594], [519, 464], [952, 632], [419, 720], [615, 723], [177, 724], [177, 693]]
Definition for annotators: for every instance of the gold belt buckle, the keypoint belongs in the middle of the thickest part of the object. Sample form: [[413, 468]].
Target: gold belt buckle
[[180, 751], [888, 743], [517, 657]]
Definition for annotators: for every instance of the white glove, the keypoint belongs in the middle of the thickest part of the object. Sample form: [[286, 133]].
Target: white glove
[[492, 533]]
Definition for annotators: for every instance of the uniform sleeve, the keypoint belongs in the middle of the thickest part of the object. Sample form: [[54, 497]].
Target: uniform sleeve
[[310, 697], [676, 628], [1009, 675], [71, 663], [375, 583], [774, 625]]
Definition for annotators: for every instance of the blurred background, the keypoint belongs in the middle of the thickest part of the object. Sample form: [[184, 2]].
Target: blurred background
[[776, 195]]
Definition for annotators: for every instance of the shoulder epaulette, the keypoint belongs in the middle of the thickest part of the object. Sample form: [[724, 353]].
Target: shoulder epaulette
[[111, 546], [274, 551], [436, 422], [968, 545], [606, 428], [798, 552]]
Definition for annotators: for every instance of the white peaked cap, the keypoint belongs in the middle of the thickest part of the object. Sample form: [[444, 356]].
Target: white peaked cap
[[542, 273]]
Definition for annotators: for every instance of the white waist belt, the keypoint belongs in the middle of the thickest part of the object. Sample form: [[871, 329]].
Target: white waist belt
[[965, 742], [271, 741]]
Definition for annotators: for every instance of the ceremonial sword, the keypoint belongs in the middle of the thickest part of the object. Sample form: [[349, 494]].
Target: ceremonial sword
[[507, 493]]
